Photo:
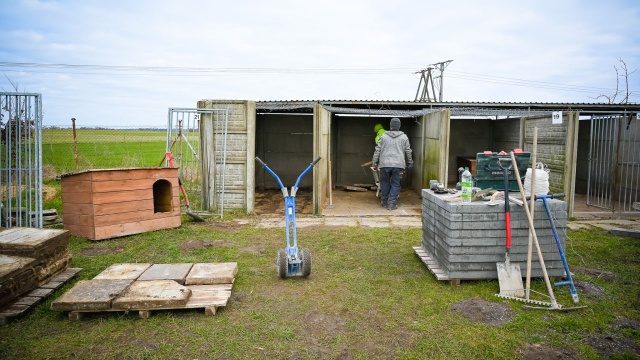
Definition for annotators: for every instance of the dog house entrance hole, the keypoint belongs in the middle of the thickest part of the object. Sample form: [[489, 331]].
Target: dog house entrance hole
[[162, 196]]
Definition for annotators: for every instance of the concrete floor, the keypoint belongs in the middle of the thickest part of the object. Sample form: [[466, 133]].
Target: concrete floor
[[356, 203], [352, 208]]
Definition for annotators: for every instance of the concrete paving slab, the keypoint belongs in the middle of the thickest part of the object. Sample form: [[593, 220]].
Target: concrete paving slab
[[212, 273], [175, 272], [123, 271], [578, 225], [634, 233], [270, 223], [340, 221], [375, 222], [406, 221], [91, 295], [304, 222], [152, 294]]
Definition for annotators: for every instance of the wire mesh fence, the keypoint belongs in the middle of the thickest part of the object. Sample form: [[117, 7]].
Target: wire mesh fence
[[67, 150]]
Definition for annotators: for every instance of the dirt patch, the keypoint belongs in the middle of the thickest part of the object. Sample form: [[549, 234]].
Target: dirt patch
[[547, 352], [607, 346], [271, 202], [99, 250], [589, 289], [255, 249], [483, 311], [626, 324], [232, 225], [49, 192], [600, 274], [191, 245]]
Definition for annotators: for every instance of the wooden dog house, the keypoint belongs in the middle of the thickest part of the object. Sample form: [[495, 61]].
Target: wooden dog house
[[103, 204]]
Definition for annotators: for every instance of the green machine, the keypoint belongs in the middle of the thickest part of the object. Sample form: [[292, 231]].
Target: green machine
[[490, 169]]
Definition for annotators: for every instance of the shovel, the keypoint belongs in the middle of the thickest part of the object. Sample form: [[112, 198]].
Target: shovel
[[509, 275]]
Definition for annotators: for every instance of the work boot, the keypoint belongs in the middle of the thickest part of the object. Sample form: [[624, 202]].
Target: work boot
[[384, 204], [392, 206]]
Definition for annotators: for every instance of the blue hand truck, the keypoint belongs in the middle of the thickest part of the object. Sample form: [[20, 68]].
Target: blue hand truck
[[290, 260], [569, 281]]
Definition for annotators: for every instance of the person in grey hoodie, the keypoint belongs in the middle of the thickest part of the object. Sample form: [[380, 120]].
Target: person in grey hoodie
[[392, 156]]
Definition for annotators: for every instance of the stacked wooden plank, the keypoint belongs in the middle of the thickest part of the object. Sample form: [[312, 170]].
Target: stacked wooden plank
[[16, 278], [33, 263], [147, 287], [34, 297], [48, 247]]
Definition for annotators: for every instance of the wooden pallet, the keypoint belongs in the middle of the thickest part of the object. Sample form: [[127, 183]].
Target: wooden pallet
[[145, 288], [434, 267], [207, 297], [28, 301]]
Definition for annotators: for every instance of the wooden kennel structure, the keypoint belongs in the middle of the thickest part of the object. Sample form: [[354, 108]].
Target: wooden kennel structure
[[107, 203]]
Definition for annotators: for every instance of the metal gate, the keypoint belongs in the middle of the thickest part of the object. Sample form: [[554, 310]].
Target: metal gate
[[193, 155], [21, 160], [614, 163]]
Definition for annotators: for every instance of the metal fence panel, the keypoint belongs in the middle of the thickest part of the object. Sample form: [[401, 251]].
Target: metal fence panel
[[185, 143], [21, 159], [614, 163]]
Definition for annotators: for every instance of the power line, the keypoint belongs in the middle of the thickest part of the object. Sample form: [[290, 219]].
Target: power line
[[89, 69]]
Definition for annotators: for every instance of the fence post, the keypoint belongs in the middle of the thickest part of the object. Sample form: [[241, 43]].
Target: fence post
[[75, 142]]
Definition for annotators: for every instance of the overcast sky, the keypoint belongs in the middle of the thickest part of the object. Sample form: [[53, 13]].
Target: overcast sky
[[146, 56]]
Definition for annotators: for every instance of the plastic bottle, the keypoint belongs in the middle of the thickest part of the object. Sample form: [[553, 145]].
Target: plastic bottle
[[466, 186]]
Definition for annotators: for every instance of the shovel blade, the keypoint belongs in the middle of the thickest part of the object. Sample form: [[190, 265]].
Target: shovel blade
[[510, 280]]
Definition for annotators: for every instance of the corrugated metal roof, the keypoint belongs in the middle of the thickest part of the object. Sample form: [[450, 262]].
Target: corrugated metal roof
[[518, 107]]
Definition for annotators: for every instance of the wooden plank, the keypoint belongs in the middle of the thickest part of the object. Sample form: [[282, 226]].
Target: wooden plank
[[206, 299], [158, 223], [33, 298], [355, 188], [78, 176], [134, 173], [82, 231], [40, 292], [175, 272], [28, 301], [79, 219], [123, 218], [133, 205], [213, 287], [31, 238], [152, 294], [77, 198], [91, 295], [78, 209], [123, 271], [128, 184], [122, 196], [212, 273], [76, 186]]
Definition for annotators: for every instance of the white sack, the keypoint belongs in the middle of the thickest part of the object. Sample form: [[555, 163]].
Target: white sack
[[542, 182]]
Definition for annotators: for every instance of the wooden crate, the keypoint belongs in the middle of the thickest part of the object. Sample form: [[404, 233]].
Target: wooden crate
[[103, 204]]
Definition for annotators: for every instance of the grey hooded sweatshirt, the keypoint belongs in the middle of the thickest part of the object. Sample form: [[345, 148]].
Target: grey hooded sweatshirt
[[393, 150]]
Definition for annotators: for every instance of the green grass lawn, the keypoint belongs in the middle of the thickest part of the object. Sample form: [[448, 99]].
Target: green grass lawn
[[368, 297]]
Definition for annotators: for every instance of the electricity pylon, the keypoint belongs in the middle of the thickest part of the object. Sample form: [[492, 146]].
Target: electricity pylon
[[426, 79]]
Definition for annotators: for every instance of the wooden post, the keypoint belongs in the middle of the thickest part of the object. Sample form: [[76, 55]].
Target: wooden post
[[75, 143]]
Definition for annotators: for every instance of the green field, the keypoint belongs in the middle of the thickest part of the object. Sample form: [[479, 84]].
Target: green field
[[103, 149]]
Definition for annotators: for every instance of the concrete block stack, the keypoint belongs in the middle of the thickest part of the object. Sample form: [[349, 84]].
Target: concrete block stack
[[467, 240]]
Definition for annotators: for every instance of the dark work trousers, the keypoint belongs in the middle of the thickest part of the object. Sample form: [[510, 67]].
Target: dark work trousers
[[390, 184]]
